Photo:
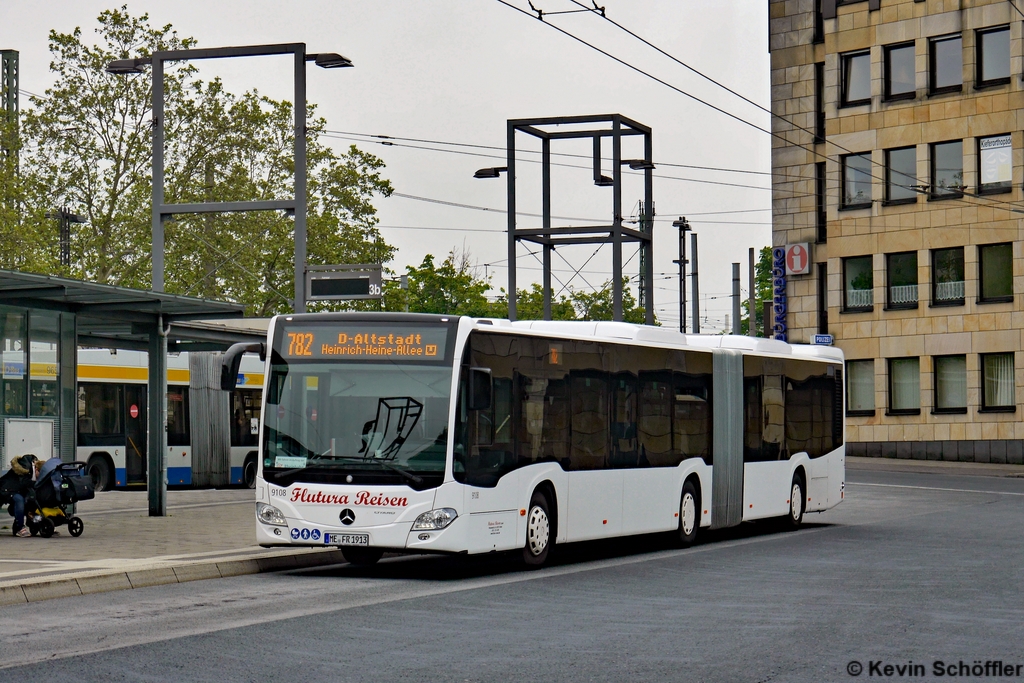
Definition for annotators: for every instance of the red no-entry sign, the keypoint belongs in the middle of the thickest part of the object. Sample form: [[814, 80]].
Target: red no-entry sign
[[134, 411]]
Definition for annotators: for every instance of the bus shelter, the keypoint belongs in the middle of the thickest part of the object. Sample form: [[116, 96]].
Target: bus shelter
[[43, 321]]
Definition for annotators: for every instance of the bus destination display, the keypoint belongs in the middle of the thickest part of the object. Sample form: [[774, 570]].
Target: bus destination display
[[359, 341]]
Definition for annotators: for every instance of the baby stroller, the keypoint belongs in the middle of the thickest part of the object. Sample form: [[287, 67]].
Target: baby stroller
[[58, 485]]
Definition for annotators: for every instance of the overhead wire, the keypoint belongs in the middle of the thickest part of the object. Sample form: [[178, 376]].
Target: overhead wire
[[991, 203]]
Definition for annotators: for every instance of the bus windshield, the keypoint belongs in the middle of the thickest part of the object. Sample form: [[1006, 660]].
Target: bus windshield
[[379, 421]]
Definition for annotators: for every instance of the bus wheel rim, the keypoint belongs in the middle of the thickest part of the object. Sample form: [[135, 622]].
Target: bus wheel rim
[[796, 501], [689, 513], [537, 530]]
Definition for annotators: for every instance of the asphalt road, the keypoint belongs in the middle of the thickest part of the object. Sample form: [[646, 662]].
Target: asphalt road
[[912, 567]]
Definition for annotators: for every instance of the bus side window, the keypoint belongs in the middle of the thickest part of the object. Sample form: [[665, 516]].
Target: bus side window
[[624, 416], [502, 401], [773, 403], [655, 424], [589, 431]]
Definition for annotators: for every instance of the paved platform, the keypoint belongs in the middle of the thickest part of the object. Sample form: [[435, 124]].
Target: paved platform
[[210, 534], [206, 534]]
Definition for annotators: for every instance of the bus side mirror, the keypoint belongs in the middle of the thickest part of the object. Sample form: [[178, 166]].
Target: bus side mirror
[[232, 359], [479, 389]]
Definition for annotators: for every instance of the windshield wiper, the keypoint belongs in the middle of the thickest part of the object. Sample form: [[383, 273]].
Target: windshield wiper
[[384, 464]]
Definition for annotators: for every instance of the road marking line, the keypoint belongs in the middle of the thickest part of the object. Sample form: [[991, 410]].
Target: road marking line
[[936, 488]]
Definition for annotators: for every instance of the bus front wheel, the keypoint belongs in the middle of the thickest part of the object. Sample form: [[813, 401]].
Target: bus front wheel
[[689, 514], [538, 531]]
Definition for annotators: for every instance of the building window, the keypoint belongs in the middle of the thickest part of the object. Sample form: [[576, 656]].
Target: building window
[[819, 102], [901, 175], [995, 263], [950, 384], [902, 272], [948, 277], [904, 386], [821, 217], [997, 391], [946, 64], [856, 70], [857, 181], [900, 72], [947, 169], [993, 56], [860, 387], [822, 298], [859, 283], [995, 164]]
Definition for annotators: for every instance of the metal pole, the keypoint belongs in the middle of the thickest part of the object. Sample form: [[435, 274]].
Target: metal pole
[[157, 254], [735, 298], [683, 226], [156, 474], [300, 180], [546, 220], [511, 173], [752, 312], [648, 247], [693, 281], [617, 220]]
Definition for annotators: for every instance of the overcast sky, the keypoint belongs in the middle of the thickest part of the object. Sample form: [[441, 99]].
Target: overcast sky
[[453, 71]]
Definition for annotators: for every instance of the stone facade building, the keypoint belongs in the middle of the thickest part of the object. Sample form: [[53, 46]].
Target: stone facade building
[[898, 157]]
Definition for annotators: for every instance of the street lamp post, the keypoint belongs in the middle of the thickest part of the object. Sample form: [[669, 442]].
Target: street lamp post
[[296, 206], [157, 474]]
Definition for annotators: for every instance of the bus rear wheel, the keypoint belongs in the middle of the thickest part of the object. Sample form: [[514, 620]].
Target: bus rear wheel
[[99, 471], [689, 514], [796, 503], [249, 473], [362, 557], [538, 531]]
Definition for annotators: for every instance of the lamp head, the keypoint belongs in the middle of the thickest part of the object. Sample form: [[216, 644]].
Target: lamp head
[[128, 66], [330, 60], [604, 181], [493, 172], [638, 164]]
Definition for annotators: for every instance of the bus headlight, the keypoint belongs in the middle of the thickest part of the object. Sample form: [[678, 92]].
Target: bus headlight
[[268, 514], [435, 519]]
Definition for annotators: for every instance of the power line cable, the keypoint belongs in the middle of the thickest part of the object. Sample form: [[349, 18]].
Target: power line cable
[[918, 188]]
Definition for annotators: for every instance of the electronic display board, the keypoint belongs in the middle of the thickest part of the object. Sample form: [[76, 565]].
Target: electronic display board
[[363, 341]]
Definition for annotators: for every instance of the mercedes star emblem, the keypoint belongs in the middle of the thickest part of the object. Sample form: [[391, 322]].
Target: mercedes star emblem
[[347, 516]]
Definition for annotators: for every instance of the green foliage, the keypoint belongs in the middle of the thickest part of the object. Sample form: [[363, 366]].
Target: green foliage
[[453, 287], [763, 288], [89, 143]]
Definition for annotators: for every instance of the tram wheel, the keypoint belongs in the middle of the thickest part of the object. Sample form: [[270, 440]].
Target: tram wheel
[[538, 531]]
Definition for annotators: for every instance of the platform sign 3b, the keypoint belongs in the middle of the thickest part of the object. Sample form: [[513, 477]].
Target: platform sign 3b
[[798, 259]]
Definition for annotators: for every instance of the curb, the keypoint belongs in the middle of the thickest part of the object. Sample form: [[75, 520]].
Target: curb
[[88, 583]]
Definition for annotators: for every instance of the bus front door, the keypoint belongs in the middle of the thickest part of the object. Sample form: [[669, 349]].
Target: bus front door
[[135, 423]]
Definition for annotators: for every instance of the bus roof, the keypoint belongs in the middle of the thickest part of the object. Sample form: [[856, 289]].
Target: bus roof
[[631, 332]]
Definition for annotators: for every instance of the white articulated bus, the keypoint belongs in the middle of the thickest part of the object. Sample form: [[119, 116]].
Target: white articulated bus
[[113, 422], [427, 433]]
